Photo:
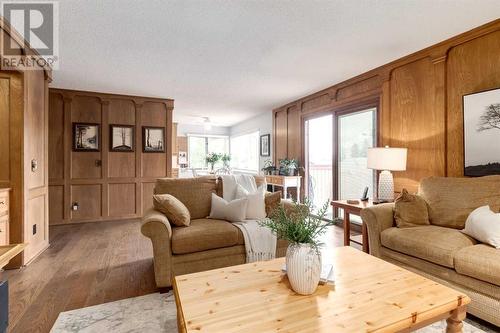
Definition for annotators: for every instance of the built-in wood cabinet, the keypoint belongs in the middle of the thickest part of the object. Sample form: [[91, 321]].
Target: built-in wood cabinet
[[24, 209], [88, 186], [420, 103]]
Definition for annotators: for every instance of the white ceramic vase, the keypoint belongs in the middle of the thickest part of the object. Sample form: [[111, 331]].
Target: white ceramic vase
[[303, 267]]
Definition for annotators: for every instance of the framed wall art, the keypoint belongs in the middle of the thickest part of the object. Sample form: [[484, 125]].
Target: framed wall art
[[121, 138], [86, 137], [482, 133], [153, 139], [265, 145]]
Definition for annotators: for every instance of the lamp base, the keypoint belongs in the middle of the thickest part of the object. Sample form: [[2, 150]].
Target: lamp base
[[385, 186]]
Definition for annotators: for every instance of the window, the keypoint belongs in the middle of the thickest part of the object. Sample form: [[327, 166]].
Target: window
[[245, 152], [199, 146]]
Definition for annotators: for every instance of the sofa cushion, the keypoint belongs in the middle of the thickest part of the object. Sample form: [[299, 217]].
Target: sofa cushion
[[451, 200], [173, 209], [194, 193], [410, 210], [479, 261], [431, 243], [204, 234]]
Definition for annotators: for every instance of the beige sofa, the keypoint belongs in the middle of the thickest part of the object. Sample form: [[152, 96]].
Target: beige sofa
[[441, 251], [205, 244]]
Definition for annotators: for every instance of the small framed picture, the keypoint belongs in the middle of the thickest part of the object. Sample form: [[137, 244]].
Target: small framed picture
[[153, 139], [86, 137], [121, 138], [265, 145]]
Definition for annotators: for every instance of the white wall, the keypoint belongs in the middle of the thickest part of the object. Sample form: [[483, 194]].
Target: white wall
[[183, 129], [262, 123]]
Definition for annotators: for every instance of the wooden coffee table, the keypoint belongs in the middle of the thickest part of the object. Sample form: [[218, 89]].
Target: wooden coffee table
[[369, 295]]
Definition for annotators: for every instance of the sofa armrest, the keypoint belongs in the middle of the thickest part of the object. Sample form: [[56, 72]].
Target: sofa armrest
[[377, 219], [156, 226]]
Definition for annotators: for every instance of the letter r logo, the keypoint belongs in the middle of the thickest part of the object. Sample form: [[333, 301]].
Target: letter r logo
[[35, 22]]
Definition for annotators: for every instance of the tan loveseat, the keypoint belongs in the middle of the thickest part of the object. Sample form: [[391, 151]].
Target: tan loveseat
[[205, 244], [440, 251]]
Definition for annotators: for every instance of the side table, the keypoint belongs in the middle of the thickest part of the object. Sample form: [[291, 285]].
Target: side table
[[354, 209]]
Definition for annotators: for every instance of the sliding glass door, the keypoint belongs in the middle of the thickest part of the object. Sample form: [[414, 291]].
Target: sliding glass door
[[336, 146], [356, 132]]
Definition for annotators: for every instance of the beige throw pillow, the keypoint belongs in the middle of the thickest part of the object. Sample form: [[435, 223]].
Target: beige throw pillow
[[256, 206], [410, 210], [232, 211], [173, 209]]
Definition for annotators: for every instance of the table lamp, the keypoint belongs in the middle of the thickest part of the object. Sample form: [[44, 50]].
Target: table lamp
[[386, 159]]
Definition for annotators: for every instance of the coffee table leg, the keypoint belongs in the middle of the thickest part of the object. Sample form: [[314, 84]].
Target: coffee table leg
[[347, 229], [454, 323]]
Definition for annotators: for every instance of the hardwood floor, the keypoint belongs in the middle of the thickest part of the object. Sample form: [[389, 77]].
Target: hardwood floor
[[87, 264]]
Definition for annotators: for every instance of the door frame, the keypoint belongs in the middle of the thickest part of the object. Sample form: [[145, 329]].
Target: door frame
[[336, 111], [346, 111], [304, 140]]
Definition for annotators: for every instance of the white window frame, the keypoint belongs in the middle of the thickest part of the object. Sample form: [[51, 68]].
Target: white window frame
[[206, 136]]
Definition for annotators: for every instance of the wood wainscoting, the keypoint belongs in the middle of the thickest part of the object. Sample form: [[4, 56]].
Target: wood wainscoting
[[107, 185], [420, 103]]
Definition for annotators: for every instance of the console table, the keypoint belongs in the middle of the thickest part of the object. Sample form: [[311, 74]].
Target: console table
[[285, 182], [354, 209]]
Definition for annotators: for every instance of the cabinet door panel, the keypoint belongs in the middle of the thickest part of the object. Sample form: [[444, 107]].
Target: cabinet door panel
[[86, 165]]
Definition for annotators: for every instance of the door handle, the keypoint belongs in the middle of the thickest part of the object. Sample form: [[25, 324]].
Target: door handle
[[98, 163]]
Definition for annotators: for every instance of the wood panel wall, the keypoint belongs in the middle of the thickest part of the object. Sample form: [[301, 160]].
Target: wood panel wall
[[106, 185], [420, 103]]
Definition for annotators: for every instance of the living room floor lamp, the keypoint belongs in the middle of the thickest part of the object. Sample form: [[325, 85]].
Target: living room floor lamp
[[386, 159]]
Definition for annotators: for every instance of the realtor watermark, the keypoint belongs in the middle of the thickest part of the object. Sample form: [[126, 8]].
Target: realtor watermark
[[37, 25]]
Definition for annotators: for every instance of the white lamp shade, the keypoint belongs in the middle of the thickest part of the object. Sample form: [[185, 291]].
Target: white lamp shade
[[391, 159]]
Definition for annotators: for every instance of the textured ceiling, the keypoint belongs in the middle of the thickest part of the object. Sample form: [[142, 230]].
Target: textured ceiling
[[231, 60]]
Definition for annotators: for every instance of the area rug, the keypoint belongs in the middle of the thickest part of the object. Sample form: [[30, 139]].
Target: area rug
[[156, 313]]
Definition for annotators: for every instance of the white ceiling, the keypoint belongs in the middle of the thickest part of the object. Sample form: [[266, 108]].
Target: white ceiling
[[231, 60]]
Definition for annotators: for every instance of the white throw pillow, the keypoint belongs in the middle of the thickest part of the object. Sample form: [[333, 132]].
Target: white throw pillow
[[484, 226], [256, 208], [233, 211]]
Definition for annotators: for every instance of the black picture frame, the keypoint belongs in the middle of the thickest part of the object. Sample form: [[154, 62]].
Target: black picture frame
[[265, 145], [470, 117], [151, 149], [122, 148], [80, 142]]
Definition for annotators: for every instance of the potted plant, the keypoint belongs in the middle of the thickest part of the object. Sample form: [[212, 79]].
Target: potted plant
[[288, 166], [269, 168], [225, 158], [302, 230], [211, 159]]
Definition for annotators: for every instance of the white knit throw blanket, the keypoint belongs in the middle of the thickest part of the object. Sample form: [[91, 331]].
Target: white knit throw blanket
[[260, 242]]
